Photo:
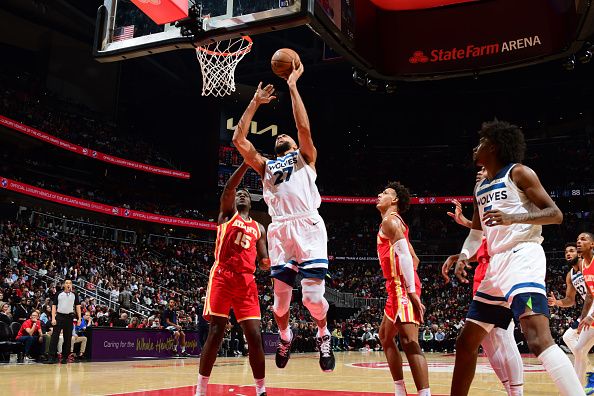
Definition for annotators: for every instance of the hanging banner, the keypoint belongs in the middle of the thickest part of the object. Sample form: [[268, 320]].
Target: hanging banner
[[80, 203], [111, 159], [413, 200]]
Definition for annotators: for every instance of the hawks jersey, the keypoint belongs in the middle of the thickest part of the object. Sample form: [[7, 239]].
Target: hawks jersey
[[235, 249], [501, 193], [577, 279], [588, 272], [385, 251], [289, 186]]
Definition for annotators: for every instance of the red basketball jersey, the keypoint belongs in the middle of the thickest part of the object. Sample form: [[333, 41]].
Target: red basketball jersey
[[588, 272], [385, 252], [235, 249], [483, 258]]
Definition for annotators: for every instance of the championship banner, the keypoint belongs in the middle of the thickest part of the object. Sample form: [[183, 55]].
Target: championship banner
[[80, 203], [109, 343], [111, 159], [413, 200]]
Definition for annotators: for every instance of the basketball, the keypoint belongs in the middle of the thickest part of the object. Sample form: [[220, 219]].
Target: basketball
[[282, 62]]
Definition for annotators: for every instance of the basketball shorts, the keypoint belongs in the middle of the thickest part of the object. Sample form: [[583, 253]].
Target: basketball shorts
[[298, 244], [398, 306], [479, 275], [514, 285], [228, 289]]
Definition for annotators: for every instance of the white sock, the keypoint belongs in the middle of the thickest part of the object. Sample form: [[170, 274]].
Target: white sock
[[425, 392], [322, 331], [183, 349], [260, 387], [559, 368], [286, 334], [399, 388], [517, 390], [202, 385]]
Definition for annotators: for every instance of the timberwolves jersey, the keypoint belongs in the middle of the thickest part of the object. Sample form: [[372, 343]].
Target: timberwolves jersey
[[290, 186], [577, 279], [502, 194]]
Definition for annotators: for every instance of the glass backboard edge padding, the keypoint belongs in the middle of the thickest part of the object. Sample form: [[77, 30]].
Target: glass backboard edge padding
[[225, 21], [155, 38]]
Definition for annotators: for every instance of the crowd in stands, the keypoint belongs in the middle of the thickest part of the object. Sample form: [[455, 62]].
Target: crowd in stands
[[25, 100]]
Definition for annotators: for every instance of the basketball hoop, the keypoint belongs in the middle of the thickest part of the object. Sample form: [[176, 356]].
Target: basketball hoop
[[218, 61]]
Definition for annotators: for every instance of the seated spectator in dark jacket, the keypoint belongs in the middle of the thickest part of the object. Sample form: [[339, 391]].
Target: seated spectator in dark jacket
[[20, 313], [5, 315]]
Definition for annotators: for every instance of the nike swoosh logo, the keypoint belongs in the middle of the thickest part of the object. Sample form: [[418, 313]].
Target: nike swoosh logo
[[517, 250], [316, 223]]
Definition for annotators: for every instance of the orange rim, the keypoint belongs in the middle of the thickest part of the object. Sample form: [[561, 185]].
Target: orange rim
[[235, 53]]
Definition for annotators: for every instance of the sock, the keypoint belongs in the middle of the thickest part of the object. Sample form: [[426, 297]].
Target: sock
[[183, 349], [507, 387], [425, 392], [517, 390], [322, 331], [286, 334], [260, 387], [559, 368], [399, 388], [202, 385]]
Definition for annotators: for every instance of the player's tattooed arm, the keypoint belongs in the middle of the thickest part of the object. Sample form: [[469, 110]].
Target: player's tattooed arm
[[527, 180], [568, 300], [243, 145], [227, 204], [306, 145], [262, 250]]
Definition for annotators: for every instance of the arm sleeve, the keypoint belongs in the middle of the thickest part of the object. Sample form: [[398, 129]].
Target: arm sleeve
[[472, 243], [406, 263]]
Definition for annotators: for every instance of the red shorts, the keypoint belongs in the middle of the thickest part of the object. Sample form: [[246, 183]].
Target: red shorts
[[226, 290], [479, 275], [397, 304]]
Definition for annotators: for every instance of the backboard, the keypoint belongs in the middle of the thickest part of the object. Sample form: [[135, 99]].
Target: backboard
[[123, 31]]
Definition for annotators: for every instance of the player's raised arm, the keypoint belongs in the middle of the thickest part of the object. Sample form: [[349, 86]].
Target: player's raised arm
[[262, 250], [245, 147], [227, 205], [471, 246], [527, 180], [306, 145], [568, 300]]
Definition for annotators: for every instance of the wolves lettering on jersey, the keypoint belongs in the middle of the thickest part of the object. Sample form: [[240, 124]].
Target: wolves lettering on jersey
[[501, 193], [578, 282], [289, 186], [235, 249]]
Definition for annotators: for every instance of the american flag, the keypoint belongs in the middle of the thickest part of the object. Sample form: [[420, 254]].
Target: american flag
[[123, 33]]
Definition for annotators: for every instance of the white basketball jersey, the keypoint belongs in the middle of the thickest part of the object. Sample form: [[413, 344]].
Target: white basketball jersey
[[577, 279], [502, 194], [290, 186]]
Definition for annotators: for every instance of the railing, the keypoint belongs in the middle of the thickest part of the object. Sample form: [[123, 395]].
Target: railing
[[84, 229], [169, 239], [369, 302], [340, 299]]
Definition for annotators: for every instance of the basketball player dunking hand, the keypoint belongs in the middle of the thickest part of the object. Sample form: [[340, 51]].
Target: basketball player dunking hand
[[510, 206], [297, 235]]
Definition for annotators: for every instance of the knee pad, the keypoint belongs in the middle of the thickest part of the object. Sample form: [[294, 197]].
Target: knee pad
[[313, 297], [282, 298]]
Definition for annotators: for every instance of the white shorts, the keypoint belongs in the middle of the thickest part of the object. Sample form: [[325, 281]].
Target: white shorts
[[519, 271], [298, 244]]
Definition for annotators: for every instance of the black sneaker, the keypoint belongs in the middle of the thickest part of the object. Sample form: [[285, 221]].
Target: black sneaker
[[185, 354], [283, 353], [262, 394], [326, 355]]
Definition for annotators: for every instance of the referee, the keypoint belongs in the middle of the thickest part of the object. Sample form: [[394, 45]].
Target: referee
[[63, 307]]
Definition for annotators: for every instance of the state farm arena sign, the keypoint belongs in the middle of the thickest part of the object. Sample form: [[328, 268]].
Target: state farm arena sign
[[479, 36]]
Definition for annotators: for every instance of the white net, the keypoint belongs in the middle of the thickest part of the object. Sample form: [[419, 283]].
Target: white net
[[218, 62]]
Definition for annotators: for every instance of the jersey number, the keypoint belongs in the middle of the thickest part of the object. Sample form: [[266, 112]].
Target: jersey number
[[243, 240], [283, 175], [581, 290]]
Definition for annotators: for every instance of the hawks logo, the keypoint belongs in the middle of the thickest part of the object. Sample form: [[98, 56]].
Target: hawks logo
[[85, 151], [115, 211]]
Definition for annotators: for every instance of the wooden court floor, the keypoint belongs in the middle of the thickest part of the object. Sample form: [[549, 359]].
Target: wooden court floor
[[356, 374]]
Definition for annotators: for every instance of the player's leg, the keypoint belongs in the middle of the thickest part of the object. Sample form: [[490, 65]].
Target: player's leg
[[501, 350], [182, 338], [282, 303], [313, 299], [570, 338], [208, 355], [467, 345], [582, 348], [387, 334], [532, 310], [408, 333], [252, 331]]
